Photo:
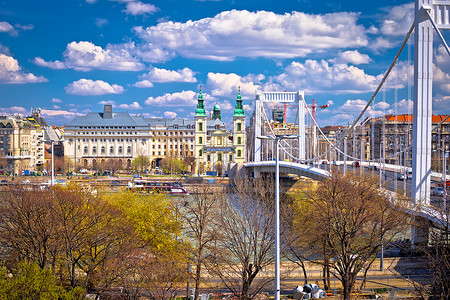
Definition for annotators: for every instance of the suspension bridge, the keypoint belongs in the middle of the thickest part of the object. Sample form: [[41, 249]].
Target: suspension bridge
[[300, 154]]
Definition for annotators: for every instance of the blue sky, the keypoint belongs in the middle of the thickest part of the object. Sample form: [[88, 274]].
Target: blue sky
[[151, 57]]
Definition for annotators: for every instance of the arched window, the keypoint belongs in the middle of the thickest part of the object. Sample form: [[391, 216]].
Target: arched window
[[129, 150], [219, 157], [94, 150], [85, 150], [231, 157], [239, 153], [200, 153], [111, 149], [103, 150], [200, 140], [120, 149], [239, 140]]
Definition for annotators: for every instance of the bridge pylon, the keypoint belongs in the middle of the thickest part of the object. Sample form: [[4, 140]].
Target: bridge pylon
[[258, 119]]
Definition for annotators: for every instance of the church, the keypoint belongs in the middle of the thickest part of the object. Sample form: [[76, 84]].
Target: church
[[215, 146]]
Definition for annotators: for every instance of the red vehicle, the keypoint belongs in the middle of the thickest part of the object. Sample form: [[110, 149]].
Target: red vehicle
[[356, 164]]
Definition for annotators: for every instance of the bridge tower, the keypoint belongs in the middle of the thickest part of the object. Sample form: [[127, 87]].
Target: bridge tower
[[428, 14], [258, 121]]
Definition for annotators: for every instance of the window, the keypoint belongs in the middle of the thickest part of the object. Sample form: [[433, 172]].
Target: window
[[239, 140], [239, 153], [129, 149], [103, 149], [111, 150], [239, 127], [94, 150], [200, 140], [200, 153], [85, 151], [208, 158], [200, 126], [219, 141], [219, 157], [120, 149]]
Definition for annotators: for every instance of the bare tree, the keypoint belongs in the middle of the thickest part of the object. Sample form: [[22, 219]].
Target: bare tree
[[27, 226], [438, 254], [199, 214], [346, 220], [245, 226]]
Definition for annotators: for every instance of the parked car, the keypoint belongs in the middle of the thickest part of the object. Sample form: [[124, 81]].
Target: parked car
[[400, 176], [438, 191], [373, 168]]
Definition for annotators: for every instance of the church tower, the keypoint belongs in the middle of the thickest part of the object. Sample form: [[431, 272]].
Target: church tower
[[239, 135], [200, 134]]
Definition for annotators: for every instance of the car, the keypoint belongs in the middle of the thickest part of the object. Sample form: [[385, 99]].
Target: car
[[356, 164], [400, 176], [26, 182], [438, 191], [4, 182], [409, 175], [373, 168]]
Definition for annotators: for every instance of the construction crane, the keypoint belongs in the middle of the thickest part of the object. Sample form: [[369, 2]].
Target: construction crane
[[313, 107]]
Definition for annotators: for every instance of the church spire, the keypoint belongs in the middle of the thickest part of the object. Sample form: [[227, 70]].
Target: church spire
[[239, 110], [200, 105]]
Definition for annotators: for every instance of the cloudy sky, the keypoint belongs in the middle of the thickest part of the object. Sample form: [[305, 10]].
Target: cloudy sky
[[151, 57]]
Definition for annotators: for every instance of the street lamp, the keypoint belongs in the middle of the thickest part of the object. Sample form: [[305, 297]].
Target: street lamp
[[277, 139], [53, 165]]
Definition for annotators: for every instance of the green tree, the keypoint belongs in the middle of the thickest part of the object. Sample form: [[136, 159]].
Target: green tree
[[140, 162], [29, 281]]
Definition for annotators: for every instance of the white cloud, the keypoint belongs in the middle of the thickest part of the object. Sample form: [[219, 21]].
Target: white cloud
[[56, 106], [143, 84], [227, 84], [57, 65], [353, 57], [257, 34], [99, 22], [170, 114], [319, 77], [163, 75], [11, 72], [91, 1], [188, 98], [107, 102], [6, 27], [134, 105], [56, 100], [86, 87], [399, 19], [85, 56], [138, 8], [14, 110]]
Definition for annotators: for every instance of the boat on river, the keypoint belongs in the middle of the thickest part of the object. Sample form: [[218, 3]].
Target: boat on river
[[171, 188]]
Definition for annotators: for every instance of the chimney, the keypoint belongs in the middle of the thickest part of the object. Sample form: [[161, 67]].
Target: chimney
[[107, 112]]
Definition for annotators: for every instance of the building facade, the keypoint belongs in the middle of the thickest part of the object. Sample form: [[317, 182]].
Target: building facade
[[21, 144], [215, 146], [110, 140]]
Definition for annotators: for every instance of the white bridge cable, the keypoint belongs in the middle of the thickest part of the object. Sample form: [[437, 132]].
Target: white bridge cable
[[408, 35], [334, 146]]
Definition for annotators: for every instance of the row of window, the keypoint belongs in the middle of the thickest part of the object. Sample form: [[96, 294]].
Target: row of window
[[129, 140], [219, 155], [219, 140], [103, 150]]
